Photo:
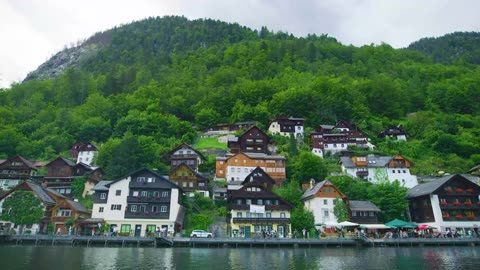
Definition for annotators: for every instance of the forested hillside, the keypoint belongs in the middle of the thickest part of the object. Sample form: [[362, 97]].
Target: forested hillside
[[152, 84]]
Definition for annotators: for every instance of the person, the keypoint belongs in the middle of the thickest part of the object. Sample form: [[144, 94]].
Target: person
[[58, 231], [93, 231], [157, 232], [304, 232], [317, 233], [295, 234]]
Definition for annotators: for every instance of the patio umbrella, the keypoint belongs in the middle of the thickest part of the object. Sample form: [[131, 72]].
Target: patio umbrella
[[347, 224], [423, 226], [397, 223]]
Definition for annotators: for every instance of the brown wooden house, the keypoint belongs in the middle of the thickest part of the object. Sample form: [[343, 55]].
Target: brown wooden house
[[189, 180], [15, 170], [254, 140], [363, 212], [186, 154], [65, 209]]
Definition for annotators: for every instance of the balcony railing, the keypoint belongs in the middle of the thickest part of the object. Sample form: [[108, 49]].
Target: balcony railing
[[263, 220], [149, 215], [140, 199]]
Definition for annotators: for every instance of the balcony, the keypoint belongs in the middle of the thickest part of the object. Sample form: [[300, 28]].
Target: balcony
[[139, 199], [145, 215], [362, 173], [261, 220]]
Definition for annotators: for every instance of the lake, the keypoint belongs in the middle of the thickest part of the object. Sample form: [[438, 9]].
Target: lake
[[67, 257]]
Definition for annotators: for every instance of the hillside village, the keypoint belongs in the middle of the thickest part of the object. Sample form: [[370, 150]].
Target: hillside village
[[245, 187]]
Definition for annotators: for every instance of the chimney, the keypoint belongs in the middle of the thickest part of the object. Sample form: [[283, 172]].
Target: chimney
[[312, 183]]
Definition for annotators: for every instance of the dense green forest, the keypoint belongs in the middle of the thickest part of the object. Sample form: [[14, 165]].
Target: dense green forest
[[155, 83]]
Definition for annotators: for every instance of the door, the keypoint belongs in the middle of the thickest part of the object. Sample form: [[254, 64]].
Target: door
[[247, 232], [138, 230], [280, 231]]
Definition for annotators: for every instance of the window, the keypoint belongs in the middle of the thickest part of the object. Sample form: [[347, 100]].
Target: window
[[249, 215], [156, 194], [154, 209], [164, 194], [64, 213], [354, 213], [184, 184], [135, 194], [201, 184], [144, 194], [282, 215], [125, 228], [249, 201], [325, 213], [190, 184], [404, 171], [163, 209], [142, 209], [259, 201], [260, 215], [133, 208], [393, 171], [100, 209], [103, 195], [116, 207], [118, 192], [151, 180], [325, 202], [239, 214], [268, 215], [140, 179]]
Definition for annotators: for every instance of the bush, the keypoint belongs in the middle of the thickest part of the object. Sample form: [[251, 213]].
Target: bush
[[28, 232]]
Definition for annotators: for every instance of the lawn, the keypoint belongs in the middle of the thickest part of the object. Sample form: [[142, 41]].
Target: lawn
[[210, 143]]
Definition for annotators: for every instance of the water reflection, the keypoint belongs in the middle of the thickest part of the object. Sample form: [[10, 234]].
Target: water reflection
[[66, 257]]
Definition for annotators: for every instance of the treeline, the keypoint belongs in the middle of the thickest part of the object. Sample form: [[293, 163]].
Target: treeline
[[156, 82]]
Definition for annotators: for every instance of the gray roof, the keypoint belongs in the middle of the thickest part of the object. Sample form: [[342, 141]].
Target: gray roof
[[77, 206], [428, 188], [263, 155], [232, 138], [102, 185], [373, 161], [41, 193], [312, 191], [219, 190], [363, 206]]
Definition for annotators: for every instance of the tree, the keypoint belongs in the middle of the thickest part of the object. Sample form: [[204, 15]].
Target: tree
[[301, 219], [78, 185], [22, 208], [391, 198], [307, 166], [340, 210]]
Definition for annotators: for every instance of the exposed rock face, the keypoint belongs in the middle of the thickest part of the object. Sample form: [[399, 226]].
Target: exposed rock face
[[67, 58]]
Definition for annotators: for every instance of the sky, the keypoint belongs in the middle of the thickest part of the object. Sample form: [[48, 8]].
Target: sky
[[31, 31]]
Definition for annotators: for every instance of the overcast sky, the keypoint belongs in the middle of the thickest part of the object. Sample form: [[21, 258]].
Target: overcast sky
[[32, 31]]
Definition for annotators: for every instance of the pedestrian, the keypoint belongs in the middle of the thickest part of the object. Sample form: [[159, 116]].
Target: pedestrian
[[295, 234], [317, 233], [157, 232], [304, 232], [93, 231]]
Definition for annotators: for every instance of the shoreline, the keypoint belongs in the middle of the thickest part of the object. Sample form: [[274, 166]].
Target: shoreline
[[158, 242]]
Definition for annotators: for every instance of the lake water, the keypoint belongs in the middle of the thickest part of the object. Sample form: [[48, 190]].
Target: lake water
[[66, 257]]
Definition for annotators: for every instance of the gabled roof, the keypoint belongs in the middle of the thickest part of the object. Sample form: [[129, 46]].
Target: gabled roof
[[170, 184], [312, 191], [184, 145], [67, 161], [258, 174], [24, 160], [39, 191], [363, 206], [263, 194], [475, 168], [87, 147], [77, 206], [102, 185], [373, 161], [392, 131], [197, 174], [430, 187]]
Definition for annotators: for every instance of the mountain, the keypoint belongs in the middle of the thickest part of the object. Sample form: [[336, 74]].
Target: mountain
[[451, 48], [140, 89]]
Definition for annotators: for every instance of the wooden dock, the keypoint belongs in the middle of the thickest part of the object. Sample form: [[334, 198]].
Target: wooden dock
[[129, 241]]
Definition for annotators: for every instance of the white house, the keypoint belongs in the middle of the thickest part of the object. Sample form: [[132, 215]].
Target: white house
[[86, 153], [375, 169], [286, 126], [139, 203], [319, 198]]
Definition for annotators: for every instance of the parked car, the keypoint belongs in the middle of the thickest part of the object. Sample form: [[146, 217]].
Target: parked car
[[200, 233]]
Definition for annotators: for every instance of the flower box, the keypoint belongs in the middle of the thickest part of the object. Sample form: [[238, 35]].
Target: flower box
[[471, 217], [468, 203], [443, 203], [446, 216], [459, 216], [449, 190], [459, 190], [470, 190], [456, 203]]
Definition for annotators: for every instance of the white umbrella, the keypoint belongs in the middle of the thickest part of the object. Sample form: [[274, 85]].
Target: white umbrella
[[347, 224]]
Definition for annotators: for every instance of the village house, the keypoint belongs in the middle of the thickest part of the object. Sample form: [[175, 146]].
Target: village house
[[319, 198], [337, 138], [189, 180], [15, 170], [375, 169], [57, 209], [61, 172], [238, 166], [451, 202], [84, 152], [395, 132], [256, 211], [139, 203], [287, 126], [186, 154], [363, 212], [254, 140]]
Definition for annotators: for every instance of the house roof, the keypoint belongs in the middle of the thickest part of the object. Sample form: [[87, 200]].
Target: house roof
[[258, 174], [67, 161], [430, 187], [475, 168], [24, 160], [312, 191], [373, 161], [78, 206], [184, 145], [102, 185], [197, 174], [171, 184], [363, 206], [39, 191]]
